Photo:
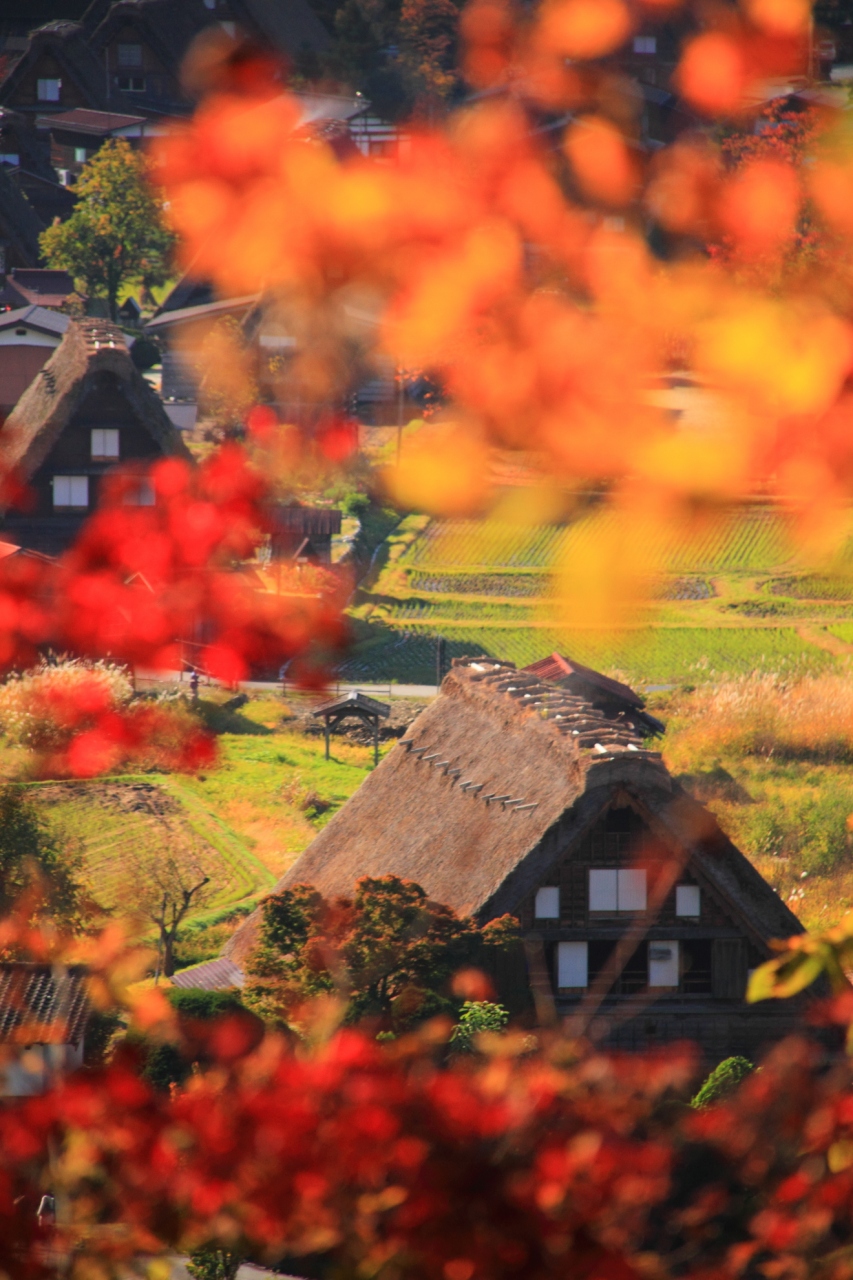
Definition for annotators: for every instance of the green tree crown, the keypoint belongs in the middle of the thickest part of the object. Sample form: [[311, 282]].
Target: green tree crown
[[117, 233]]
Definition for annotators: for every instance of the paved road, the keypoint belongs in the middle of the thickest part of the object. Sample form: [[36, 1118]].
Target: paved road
[[146, 678]]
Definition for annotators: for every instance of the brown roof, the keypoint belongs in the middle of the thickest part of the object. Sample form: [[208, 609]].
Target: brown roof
[[89, 347], [490, 785], [556, 667], [86, 120], [309, 521], [42, 1005], [38, 287]]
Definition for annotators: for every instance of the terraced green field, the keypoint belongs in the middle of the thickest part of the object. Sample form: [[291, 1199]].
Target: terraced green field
[[728, 596]]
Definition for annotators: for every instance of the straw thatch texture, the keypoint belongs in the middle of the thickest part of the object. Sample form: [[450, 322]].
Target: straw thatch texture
[[89, 348]]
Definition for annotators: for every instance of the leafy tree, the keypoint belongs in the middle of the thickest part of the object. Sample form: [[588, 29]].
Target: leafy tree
[[117, 233], [477, 1016], [389, 951], [38, 867]]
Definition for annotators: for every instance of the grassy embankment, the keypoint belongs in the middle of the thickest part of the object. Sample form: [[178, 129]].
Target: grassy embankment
[[244, 821]]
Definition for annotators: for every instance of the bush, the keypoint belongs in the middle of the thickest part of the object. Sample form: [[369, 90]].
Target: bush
[[356, 504], [42, 708]]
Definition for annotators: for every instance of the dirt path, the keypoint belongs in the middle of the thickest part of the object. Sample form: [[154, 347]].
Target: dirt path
[[823, 639]]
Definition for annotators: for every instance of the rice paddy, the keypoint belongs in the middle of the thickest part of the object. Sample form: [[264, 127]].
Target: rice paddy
[[728, 596]]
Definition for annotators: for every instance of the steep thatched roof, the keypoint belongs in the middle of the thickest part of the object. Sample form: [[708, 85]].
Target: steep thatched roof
[[89, 349], [489, 787]]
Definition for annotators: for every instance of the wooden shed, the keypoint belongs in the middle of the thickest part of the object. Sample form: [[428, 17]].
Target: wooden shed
[[510, 794]]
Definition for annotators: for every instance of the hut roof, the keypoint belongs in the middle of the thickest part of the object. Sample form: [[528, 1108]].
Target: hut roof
[[490, 785], [89, 348], [37, 286], [42, 1005], [556, 667], [40, 319]]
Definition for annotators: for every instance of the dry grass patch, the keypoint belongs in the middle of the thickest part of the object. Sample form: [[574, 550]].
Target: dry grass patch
[[765, 716]]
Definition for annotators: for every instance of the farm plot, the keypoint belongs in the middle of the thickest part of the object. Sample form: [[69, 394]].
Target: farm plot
[[520, 584], [755, 540], [125, 826], [812, 586]]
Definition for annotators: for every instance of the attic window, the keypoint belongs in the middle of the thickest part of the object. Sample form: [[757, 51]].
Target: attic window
[[105, 442], [548, 903], [688, 900], [611, 890], [131, 84], [70, 492], [49, 90], [645, 44], [130, 55]]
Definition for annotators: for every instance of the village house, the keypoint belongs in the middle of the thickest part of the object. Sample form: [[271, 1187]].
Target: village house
[[44, 1011], [511, 795], [20, 228], [87, 412], [28, 338], [75, 136], [126, 55]]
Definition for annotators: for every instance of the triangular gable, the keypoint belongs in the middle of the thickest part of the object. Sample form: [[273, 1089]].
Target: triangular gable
[[56, 393]]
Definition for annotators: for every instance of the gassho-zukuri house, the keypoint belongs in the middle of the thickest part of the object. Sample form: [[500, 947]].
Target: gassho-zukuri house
[[512, 794]]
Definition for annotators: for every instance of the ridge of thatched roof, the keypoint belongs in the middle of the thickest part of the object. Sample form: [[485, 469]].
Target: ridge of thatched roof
[[490, 785], [89, 348]]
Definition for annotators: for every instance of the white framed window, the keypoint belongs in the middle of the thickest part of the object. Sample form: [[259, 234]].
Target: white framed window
[[131, 84], [572, 964], [105, 442], [49, 90], [688, 900], [80, 155], [130, 55], [548, 902], [65, 177], [71, 491], [663, 964], [645, 44], [622, 890]]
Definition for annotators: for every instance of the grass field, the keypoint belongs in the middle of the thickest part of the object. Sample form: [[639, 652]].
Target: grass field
[[729, 596], [244, 821]]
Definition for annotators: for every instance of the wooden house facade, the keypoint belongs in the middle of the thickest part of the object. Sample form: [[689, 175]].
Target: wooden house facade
[[87, 412], [512, 795]]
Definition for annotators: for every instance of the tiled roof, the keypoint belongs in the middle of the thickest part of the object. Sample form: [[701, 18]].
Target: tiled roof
[[213, 975], [42, 1005]]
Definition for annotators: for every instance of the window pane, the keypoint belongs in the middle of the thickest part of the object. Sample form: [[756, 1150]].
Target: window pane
[[572, 964], [687, 900], [548, 903], [632, 890], [105, 442], [602, 890], [663, 964], [79, 491], [61, 491], [48, 90]]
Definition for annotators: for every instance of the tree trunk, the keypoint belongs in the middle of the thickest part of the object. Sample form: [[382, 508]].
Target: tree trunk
[[168, 953]]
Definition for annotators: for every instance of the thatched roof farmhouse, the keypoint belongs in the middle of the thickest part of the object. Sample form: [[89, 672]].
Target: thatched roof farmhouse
[[87, 411], [510, 794]]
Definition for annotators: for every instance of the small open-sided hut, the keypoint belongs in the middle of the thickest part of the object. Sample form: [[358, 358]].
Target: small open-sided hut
[[87, 411], [511, 794]]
